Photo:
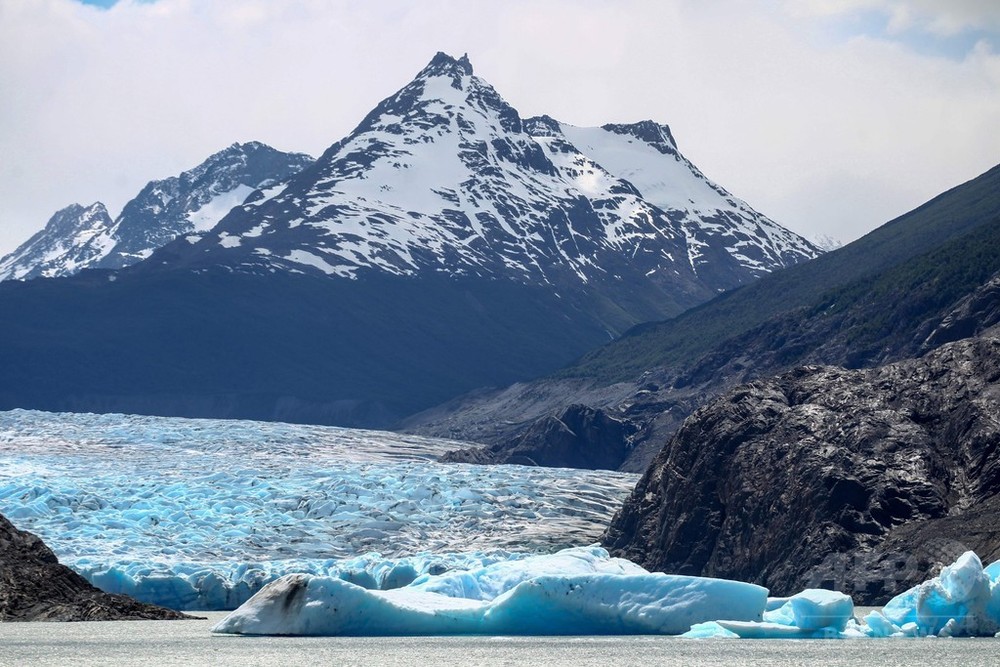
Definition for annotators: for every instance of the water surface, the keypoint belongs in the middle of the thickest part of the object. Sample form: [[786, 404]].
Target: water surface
[[153, 643]]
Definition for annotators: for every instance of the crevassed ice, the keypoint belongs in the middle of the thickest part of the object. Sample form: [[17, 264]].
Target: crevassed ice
[[199, 514]]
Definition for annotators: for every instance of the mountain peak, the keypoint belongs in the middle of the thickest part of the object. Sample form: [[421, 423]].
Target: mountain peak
[[62, 246], [443, 64], [655, 134]]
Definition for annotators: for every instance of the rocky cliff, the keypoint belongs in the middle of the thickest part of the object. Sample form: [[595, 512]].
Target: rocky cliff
[[863, 480], [35, 587], [575, 437]]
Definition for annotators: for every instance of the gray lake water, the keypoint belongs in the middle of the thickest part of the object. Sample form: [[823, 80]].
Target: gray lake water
[[153, 643]]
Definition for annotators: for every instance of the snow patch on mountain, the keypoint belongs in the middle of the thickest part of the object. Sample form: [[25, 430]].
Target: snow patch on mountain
[[209, 214], [445, 177]]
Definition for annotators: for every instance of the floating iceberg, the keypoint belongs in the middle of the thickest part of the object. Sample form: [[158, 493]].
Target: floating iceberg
[[963, 601], [811, 614], [584, 591], [201, 513], [580, 591]]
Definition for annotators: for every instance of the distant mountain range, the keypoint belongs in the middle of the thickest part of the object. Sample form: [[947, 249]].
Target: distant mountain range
[[445, 244], [79, 237]]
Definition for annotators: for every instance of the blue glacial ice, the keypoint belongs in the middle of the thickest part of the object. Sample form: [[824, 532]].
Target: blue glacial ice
[[579, 591], [584, 591], [200, 514], [810, 614], [962, 601]]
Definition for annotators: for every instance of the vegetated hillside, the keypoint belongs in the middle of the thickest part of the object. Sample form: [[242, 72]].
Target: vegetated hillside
[[865, 480], [875, 300], [879, 318]]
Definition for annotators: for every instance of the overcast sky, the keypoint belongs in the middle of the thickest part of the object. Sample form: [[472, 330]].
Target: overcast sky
[[830, 116]]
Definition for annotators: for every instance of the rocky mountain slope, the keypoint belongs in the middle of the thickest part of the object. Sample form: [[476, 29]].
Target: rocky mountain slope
[[73, 238], [878, 299], [78, 238], [445, 244], [860, 479], [35, 587]]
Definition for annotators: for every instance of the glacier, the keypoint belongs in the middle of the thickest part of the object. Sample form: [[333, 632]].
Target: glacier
[[202, 513]]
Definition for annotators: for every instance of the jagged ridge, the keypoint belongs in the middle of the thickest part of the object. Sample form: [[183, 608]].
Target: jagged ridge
[[78, 238], [444, 176]]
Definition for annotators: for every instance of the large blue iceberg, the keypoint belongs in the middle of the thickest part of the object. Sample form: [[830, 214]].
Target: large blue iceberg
[[579, 591], [583, 591]]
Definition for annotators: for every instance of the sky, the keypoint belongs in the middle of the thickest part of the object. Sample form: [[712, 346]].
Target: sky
[[830, 116]]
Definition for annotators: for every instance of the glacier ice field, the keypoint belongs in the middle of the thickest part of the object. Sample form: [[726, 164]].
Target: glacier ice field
[[201, 513]]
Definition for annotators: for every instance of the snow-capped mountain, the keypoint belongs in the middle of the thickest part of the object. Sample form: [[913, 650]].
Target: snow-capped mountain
[[71, 240], [445, 177], [77, 238]]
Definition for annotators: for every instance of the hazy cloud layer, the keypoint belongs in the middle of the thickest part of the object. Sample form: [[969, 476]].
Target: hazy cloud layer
[[826, 115]]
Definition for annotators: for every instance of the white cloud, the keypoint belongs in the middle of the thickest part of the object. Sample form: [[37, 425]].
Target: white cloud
[[937, 17], [826, 137]]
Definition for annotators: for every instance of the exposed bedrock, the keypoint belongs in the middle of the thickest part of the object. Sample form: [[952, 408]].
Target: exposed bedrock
[[35, 587], [576, 437], [863, 480]]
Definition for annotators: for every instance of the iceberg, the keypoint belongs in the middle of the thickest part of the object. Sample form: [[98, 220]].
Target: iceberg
[[585, 591], [811, 614], [962, 601], [579, 591]]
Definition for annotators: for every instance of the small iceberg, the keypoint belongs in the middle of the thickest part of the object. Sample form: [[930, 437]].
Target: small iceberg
[[962, 601], [811, 614], [579, 591]]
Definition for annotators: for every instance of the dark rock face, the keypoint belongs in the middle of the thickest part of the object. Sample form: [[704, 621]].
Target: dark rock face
[[970, 316], [35, 587], [577, 437], [865, 480]]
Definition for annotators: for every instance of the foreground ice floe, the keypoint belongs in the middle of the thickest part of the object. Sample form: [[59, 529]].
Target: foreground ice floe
[[576, 591], [584, 591], [200, 513]]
